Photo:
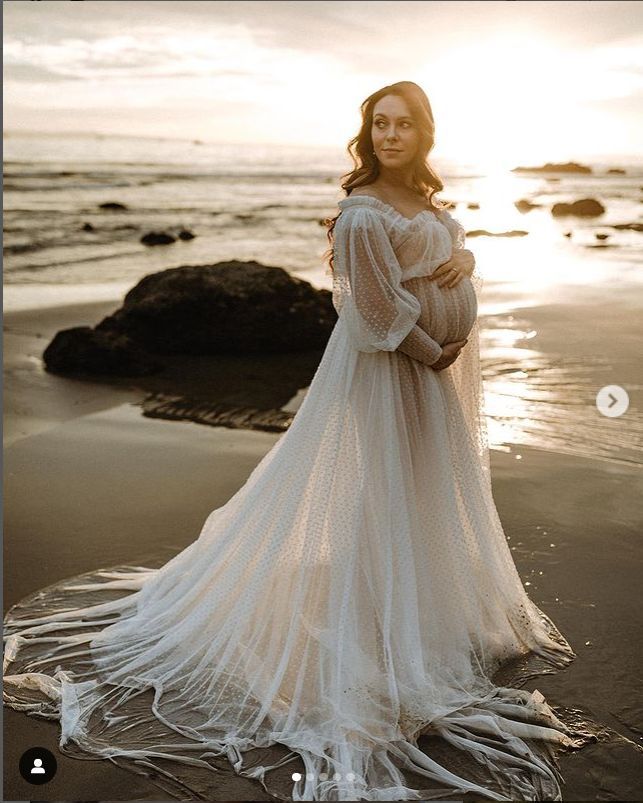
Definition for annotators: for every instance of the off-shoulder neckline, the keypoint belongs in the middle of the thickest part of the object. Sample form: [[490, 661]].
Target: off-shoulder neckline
[[370, 200]]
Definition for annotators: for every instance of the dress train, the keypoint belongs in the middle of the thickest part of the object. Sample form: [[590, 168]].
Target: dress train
[[356, 593]]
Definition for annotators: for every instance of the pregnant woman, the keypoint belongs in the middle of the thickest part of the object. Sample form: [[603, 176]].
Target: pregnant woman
[[358, 591]]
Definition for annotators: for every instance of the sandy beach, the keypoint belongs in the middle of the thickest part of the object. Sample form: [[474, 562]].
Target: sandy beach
[[90, 482]]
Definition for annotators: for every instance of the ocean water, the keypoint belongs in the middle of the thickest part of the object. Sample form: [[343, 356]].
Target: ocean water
[[552, 308], [253, 202]]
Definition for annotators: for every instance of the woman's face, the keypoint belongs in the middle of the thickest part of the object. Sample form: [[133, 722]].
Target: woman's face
[[394, 132]]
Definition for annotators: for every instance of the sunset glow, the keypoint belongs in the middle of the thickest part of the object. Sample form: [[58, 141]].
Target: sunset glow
[[514, 85]]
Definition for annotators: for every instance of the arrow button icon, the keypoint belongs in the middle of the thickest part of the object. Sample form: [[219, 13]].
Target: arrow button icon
[[612, 401]]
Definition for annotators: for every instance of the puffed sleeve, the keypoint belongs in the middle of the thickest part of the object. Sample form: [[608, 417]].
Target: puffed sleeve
[[367, 290]]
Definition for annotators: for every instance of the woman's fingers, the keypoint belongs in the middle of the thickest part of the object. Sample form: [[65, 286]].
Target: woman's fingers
[[448, 274], [441, 270], [449, 357], [445, 268], [451, 282]]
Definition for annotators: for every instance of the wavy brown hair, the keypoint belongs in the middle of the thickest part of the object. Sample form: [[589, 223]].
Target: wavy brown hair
[[425, 180]]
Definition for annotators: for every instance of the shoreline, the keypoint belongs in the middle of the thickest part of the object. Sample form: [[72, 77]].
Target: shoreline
[[559, 354], [261, 391]]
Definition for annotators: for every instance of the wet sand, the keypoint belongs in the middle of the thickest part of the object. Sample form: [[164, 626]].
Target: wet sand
[[90, 482]]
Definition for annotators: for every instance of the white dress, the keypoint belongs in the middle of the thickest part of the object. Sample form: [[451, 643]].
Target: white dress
[[357, 592]]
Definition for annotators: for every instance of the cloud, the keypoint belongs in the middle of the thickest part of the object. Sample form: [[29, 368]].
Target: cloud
[[296, 71]]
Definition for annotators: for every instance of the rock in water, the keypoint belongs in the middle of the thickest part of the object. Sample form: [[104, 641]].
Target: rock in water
[[585, 207], [524, 205], [485, 233], [157, 238], [626, 226], [554, 167], [112, 205]]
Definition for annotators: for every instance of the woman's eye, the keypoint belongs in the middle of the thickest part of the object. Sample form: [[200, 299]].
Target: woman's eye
[[380, 123]]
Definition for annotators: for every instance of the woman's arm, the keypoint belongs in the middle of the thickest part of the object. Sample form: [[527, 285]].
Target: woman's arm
[[367, 291], [420, 346]]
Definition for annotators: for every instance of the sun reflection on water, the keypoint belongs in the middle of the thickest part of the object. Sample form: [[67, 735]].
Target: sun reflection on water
[[548, 402]]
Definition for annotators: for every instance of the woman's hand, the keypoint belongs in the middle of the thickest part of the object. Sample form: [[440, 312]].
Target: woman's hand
[[450, 352], [450, 273]]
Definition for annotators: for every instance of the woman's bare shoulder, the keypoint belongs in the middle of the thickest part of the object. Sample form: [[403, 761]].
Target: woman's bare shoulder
[[367, 189]]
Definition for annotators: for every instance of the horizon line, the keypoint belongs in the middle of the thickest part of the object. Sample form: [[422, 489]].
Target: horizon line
[[114, 135]]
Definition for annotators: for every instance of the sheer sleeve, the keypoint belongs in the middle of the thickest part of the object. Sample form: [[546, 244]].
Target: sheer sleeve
[[367, 292]]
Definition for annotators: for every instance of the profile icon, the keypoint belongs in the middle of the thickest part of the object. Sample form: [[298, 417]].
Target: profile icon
[[37, 765]]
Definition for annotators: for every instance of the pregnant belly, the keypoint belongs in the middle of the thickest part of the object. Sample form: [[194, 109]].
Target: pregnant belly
[[448, 313]]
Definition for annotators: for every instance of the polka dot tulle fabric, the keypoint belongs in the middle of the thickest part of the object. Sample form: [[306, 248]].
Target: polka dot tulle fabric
[[356, 593]]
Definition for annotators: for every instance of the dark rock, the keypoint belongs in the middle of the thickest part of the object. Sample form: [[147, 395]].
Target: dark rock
[[627, 226], [83, 350], [87, 227], [525, 206], [616, 171], [157, 238], [568, 234], [600, 236], [585, 207], [185, 234], [485, 233], [228, 308], [112, 205], [473, 206], [233, 310], [554, 167]]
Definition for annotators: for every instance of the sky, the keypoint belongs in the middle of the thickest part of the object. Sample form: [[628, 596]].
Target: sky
[[508, 81]]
